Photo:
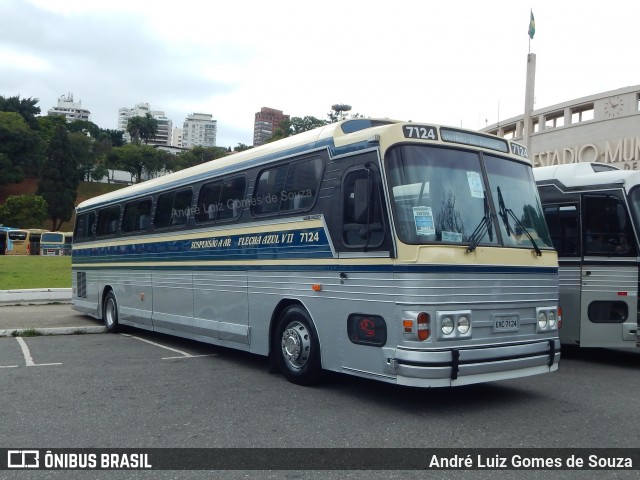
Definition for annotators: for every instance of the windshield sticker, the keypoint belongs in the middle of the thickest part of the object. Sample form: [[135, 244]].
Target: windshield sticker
[[451, 237], [423, 219], [475, 184]]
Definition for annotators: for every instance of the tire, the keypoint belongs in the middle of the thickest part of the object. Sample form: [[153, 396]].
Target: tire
[[110, 313], [296, 347]]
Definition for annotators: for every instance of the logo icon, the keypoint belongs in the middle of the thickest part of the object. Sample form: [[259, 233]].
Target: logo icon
[[23, 459]]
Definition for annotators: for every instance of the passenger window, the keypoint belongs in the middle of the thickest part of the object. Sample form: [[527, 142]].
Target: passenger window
[[108, 219], [173, 209], [221, 200], [287, 188], [607, 231], [136, 216]]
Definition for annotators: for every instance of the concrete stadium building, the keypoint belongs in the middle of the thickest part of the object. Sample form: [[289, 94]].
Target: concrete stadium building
[[600, 128]]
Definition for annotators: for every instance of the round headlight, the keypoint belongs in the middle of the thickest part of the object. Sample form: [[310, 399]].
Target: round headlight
[[542, 320], [552, 319], [446, 325], [464, 325]]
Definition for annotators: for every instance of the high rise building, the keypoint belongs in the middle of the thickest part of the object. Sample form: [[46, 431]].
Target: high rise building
[[71, 110], [265, 124], [176, 138], [165, 126], [199, 129]]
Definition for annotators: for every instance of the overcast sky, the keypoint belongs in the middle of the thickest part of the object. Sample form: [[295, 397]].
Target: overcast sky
[[460, 63]]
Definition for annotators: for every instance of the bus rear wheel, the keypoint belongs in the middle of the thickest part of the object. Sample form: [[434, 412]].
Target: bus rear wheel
[[296, 347], [110, 313]]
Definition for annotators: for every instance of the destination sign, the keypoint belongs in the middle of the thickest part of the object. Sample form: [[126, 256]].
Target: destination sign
[[477, 140]]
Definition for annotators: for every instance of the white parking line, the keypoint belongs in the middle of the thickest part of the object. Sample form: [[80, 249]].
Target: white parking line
[[182, 354], [27, 355]]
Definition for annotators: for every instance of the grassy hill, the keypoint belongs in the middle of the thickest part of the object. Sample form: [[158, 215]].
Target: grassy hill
[[86, 190]]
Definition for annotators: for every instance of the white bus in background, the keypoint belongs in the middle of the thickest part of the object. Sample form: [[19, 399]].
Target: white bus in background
[[593, 214]]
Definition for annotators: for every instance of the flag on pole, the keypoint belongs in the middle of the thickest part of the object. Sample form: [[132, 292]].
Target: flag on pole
[[532, 26]]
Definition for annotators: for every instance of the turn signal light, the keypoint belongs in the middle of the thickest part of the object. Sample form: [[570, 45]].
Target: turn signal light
[[423, 326]]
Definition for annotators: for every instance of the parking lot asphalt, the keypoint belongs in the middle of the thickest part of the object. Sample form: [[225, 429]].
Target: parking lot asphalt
[[43, 319]]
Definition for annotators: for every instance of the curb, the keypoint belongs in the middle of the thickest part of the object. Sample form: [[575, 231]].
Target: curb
[[35, 296], [52, 331]]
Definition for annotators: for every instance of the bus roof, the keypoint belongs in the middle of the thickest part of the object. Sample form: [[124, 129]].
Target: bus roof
[[586, 174]]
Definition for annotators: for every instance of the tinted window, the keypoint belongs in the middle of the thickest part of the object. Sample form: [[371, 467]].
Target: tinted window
[[221, 200], [173, 209], [607, 227], [287, 188], [136, 216], [108, 221], [563, 224]]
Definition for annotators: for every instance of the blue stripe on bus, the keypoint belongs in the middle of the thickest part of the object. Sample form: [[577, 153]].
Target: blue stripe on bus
[[303, 243]]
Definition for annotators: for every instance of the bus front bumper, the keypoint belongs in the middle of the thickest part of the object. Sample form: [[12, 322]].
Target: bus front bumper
[[464, 366]]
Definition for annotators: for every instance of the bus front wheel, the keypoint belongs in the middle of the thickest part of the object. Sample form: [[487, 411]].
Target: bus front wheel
[[110, 313], [296, 347]]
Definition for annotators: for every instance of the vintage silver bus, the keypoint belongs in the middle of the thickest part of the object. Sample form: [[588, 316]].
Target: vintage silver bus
[[407, 253], [593, 214]]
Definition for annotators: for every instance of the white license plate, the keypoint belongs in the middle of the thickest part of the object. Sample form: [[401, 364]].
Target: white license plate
[[505, 324]]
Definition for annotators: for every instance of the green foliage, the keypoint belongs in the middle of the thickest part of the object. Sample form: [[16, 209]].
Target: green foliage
[[26, 108], [142, 128], [198, 155], [48, 124], [241, 147], [84, 126], [59, 182], [296, 125], [21, 148], [23, 211], [140, 159]]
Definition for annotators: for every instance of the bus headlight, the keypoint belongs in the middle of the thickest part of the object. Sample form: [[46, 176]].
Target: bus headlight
[[542, 320], [548, 319], [454, 325], [463, 325], [446, 325]]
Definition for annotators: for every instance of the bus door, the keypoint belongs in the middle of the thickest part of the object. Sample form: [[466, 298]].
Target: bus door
[[563, 220], [366, 311], [609, 273]]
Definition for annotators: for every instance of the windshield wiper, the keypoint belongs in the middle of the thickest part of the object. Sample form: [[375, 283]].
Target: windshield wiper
[[485, 226], [505, 213]]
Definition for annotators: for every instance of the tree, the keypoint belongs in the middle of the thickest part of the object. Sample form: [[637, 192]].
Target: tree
[[198, 155], [59, 182], [21, 149], [140, 159], [23, 211], [142, 128], [296, 125], [241, 147], [26, 108]]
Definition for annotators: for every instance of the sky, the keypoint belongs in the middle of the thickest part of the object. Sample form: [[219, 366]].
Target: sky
[[460, 63]]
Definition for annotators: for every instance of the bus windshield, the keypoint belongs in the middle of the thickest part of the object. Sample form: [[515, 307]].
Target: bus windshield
[[440, 195], [52, 237]]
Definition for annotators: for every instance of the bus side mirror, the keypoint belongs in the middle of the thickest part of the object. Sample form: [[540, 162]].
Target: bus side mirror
[[361, 189]]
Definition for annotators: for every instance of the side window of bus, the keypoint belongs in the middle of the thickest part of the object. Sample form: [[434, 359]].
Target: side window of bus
[[607, 226], [563, 224], [221, 200], [362, 219], [136, 216], [287, 188], [173, 209], [266, 194], [85, 224], [108, 219]]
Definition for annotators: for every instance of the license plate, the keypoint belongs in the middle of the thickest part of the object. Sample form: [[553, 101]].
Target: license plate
[[505, 324]]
